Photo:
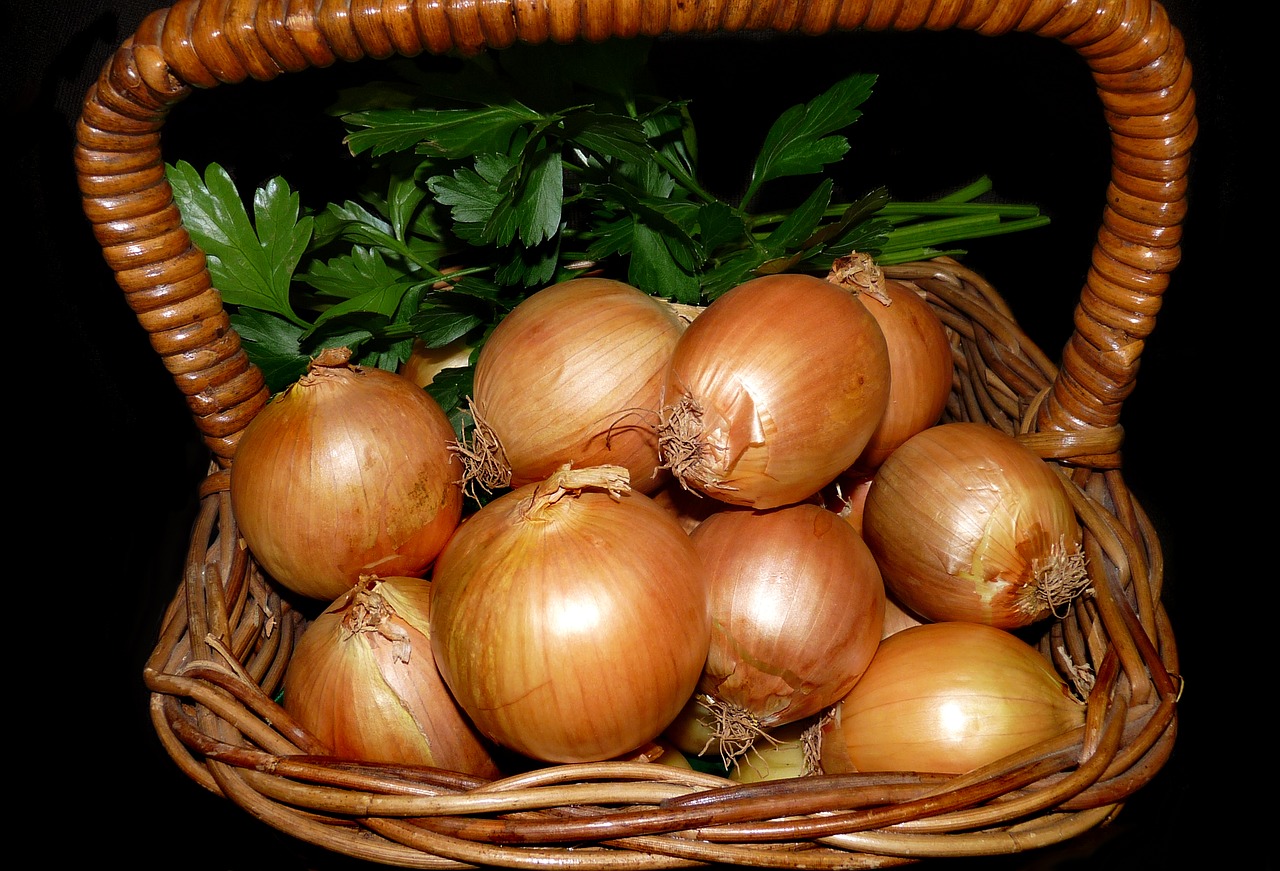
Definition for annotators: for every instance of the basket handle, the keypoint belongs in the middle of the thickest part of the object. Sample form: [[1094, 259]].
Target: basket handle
[[1136, 57]]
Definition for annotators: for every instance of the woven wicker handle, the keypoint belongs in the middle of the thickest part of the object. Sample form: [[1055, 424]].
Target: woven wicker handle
[[1137, 59]]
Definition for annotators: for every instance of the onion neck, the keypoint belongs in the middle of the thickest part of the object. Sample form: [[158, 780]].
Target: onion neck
[[369, 611], [859, 273], [614, 480]]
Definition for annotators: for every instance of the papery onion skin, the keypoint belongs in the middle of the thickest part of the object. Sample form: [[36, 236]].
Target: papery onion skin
[[773, 390], [920, 366], [362, 680], [347, 472], [946, 698], [574, 374], [967, 523], [797, 608], [571, 630]]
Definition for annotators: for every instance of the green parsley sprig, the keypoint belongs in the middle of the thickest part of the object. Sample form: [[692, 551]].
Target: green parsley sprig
[[515, 169]]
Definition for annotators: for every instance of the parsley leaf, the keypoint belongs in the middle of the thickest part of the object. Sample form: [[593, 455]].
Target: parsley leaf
[[493, 175], [801, 141], [251, 262]]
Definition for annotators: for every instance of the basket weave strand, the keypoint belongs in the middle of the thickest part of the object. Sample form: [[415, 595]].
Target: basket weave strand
[[228, 633]]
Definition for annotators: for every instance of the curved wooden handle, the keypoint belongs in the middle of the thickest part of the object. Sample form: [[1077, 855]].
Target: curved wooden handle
[[1136, 57]]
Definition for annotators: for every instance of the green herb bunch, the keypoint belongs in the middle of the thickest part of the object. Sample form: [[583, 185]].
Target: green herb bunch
[[518, 168]]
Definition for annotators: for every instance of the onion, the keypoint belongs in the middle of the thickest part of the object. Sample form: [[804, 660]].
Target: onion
[[847, 496], [362, 680], [346, 472], [897, 618], [797, 608], [946, 698], [660, 751], [787, 751], [689, 507], [573, 374], [967, 523], [570, 617], [424, 363], [693, 731], [920, 363], [774, 389]]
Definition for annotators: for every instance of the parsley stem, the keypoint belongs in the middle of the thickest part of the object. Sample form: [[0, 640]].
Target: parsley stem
[[685, 180], [906, 211], [971, 191], [901, 212], [954, 229]]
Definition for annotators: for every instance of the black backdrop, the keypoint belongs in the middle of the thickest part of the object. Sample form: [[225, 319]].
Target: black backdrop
[[116, 468]]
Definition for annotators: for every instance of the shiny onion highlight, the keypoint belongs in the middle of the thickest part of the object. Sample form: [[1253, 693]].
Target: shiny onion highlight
[[797, 610], [346, 472], [967, 523], [773, 390], [570, 617], [573, 374], [946, 698], [362, 679]]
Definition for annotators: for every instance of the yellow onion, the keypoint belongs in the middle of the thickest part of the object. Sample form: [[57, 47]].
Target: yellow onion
[[688, 506], [920, 367], [773, 390], [847, 496], [573, 374], [425, 363], [787, 751], [347, 472], [945, 698], [797, 610], [897, 618], [967, 523], [362, 679], [570, 617], [659, 751]]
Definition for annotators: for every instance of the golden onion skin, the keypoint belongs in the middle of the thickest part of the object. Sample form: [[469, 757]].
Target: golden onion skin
[[574, 374], [347, 472], [797, 607], [969, 524], [920, 368], [788, 377], [362, 680], [946, 698], [573, 632]]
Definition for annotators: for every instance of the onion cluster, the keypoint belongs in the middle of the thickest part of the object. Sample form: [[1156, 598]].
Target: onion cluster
[[742, 532]]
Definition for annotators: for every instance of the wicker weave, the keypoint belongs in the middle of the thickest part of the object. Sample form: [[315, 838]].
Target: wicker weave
[[228, 633]]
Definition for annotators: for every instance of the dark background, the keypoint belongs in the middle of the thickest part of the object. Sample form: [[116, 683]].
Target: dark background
[[116, 468]]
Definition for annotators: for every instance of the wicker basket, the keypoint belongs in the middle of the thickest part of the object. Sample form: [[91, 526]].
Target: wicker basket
[[228, 632]]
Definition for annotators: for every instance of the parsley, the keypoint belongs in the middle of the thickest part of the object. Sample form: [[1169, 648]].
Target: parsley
[[510, 172]]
